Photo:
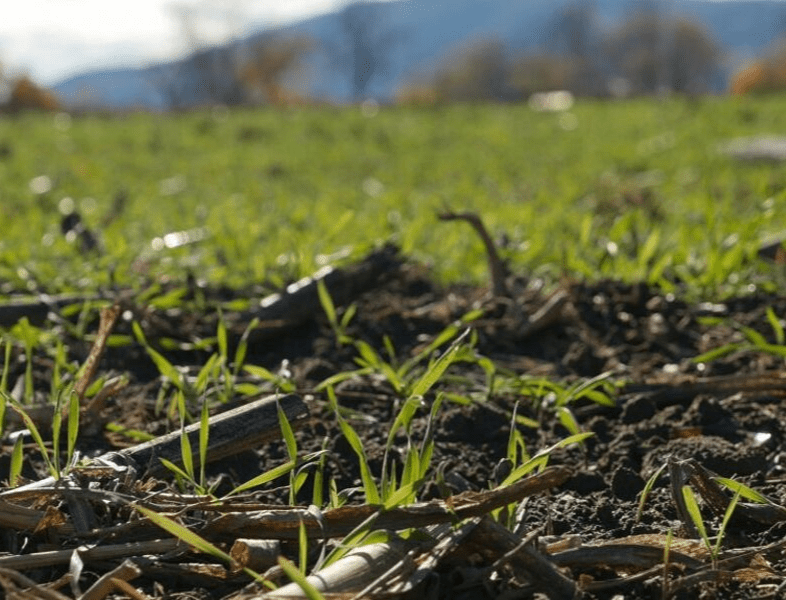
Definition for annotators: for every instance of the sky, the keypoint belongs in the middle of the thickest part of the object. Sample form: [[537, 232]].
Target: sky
[[50, 40]]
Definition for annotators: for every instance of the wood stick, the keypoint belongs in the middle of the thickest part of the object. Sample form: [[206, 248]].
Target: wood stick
[[234, 431], [284, 523], [506, 547], [62, 557], [497, 270], [243, 428], [300, 300], [106, 583], [352, 572]]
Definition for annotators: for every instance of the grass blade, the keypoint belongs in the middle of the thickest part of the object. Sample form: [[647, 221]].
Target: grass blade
[[435, 371], [73, 424], [647, 489], [743, 490], [777, 328], [204, 435], [295, 575], [186, 535], [265, 477], [695, 514], [17, 458]]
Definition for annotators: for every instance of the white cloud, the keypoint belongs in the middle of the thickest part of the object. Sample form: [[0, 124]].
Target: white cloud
[[53, 39]]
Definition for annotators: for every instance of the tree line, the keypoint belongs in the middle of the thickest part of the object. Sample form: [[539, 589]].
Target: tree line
[[649, 53]]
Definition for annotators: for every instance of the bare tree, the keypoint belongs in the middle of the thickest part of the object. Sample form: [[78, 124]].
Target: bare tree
[[636, 51], [574, 37], [694, 58], [209, 75], [367, 44], [656, 53]]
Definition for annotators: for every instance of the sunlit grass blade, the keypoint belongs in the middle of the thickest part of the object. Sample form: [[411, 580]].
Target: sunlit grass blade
[[17, 458], [777, 328], [57, 422], [31, 426], [205, 373], [165, 368], [568, 421], [404, 494], [317, 496], [175, 469], [73, 424], [186, 454], [754, 337], [4, 384], [302, 540], [189, 537], [204, 438], [647, 489], [295, 575], [541, 459], [717, 353], [286, 432], [695, 514], [369, 485], [265, 477], [327, 303], [221, 337], [242, 346], [743, 490], [436, 370], [404, 418], [724, 524]]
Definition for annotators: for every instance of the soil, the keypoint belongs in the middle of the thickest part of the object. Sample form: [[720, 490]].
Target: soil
[[722, 415]]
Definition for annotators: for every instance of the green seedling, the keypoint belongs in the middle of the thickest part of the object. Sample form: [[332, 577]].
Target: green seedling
[[17, 458], [369, 485], [696, 517], [755, 341], [39, 440], [297, 477], [339, 326], [4, 383], [165, 368], [648, 488], [295, 575], [541, 460], [195, 541], [279, 382]]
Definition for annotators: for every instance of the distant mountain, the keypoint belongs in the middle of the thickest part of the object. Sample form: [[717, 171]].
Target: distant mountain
[[426, 33]]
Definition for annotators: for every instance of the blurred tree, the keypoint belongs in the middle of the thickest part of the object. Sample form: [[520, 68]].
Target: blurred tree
[[27, 95], [269, 62], [748, 79], [694, 58], [479, 72], [636, 51], [655, 54], [766, 75], [209, 75], [366, 46], [574, 44], [532, 73]]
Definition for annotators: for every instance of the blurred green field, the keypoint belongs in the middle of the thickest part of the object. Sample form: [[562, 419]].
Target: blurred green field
[[632, 190]]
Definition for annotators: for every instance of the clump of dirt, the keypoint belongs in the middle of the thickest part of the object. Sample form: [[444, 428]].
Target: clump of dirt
[[669, 410]]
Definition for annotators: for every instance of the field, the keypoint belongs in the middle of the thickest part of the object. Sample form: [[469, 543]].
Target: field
[[633, 351]]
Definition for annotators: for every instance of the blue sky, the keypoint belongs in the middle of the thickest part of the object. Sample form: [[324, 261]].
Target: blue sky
[[53, 39]]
